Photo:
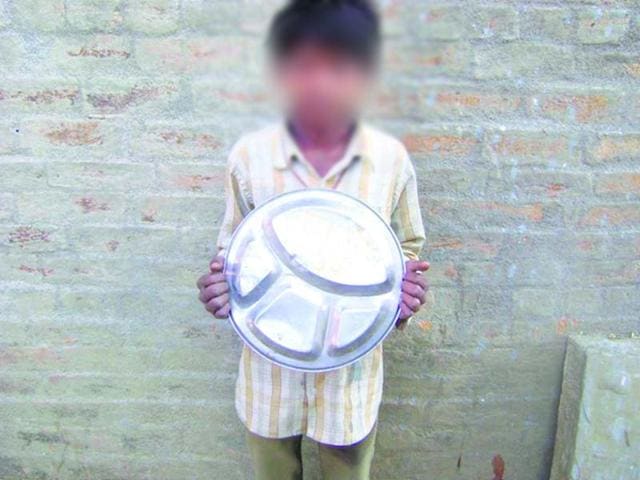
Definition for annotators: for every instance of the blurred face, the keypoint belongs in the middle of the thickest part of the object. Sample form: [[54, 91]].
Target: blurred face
[[322, 87]]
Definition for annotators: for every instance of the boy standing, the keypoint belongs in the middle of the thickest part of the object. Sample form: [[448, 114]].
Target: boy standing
[[324, 56]]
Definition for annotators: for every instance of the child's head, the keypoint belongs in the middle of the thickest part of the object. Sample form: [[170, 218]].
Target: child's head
[[325, 54]]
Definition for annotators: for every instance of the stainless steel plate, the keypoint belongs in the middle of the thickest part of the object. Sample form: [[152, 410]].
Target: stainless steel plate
[[315, 279]]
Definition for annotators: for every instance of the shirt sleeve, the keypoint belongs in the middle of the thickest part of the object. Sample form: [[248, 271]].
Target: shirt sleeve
[[237, 196], [406, 218]]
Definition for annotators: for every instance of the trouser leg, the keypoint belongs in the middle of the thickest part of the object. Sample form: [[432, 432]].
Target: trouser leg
[[276, 459], [352, 462]]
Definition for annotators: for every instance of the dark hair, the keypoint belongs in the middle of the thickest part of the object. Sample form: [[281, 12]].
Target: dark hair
[[349, 26]]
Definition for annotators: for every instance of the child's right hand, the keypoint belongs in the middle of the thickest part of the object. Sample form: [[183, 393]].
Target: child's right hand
[[214, 290]]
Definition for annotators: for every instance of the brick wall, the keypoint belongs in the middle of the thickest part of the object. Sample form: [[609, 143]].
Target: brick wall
[[115, 119]]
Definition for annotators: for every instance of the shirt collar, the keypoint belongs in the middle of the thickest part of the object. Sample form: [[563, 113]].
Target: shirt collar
[[290, 150]]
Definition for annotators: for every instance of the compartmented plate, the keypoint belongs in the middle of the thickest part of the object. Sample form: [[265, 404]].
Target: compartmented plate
[[315, 279]]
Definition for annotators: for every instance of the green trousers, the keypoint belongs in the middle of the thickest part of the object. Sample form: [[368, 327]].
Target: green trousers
[[281, 459]]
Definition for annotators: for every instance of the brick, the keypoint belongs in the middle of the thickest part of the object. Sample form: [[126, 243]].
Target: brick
[[22, 304], [592, 106], [228, 16], [20, 176], [450, 22], [470, 246], [112, 360], [440, 22], [614, 150], [434, 58], [436, 321], [440, 143], [12, 51], [4, 15], [612, 65], [453, 182], [71, 138], [545, 23], [485, 313], [7, 207], [534, 148], [124, 241], [192, 178], [87, 55], [537, 312], [598, 25], [607, 245], [67, 209], [173, 140], [396, 14], [158, 465], [483, 215], [455, 103], [523, 60], [115, 96], [493, 22], [99, 15], [606, 272], [8, 141], [232, 97], [621, 185], [29, 96], [599, 397], [152, 16], [218, 55], [105, 273], [621, 301], [615, 216], [44, 15], [212, 17], [179, 211], [29, 238], [200, 242], [104, 177], [533, 184]]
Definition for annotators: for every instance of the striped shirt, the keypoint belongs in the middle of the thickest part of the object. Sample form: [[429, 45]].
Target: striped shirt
[[338, 407]]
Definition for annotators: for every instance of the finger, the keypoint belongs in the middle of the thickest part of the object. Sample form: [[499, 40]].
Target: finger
[[214, 290], [411, 302], [217, 303], [217, 264], [405, 311], [417, 266], [223, 312], [417, 279], [201, 281], [414, 290], [209, 279]]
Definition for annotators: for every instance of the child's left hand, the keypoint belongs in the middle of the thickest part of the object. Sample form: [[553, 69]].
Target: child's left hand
[[414, 290]]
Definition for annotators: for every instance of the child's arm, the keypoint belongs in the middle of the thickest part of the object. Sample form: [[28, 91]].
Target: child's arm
[[213, 287], [406, 221], [238, 200]]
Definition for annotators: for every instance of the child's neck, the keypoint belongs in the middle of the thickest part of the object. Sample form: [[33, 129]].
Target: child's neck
[[319, 136], [322, 146]]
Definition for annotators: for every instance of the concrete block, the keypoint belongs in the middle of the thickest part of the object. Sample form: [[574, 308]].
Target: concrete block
[[598, 435]]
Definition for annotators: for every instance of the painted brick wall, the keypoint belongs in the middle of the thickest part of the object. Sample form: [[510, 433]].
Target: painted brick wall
[[115, 119]]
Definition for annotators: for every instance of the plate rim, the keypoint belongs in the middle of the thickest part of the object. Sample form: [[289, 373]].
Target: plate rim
[[322, 191]]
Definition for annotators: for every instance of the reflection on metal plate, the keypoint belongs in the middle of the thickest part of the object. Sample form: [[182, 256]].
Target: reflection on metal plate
[[315, 279]]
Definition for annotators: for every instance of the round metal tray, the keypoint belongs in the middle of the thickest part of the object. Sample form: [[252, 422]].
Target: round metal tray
[[315, 279]]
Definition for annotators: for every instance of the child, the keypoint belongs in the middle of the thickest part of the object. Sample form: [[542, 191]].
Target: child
[[324, 56]]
